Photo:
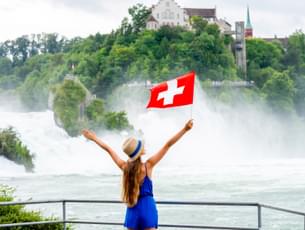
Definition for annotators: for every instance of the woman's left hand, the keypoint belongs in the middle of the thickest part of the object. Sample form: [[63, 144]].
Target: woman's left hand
[[188, 125]]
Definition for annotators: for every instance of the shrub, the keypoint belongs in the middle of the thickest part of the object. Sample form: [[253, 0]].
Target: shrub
[[18, 214], [116, 120], [12, 148]]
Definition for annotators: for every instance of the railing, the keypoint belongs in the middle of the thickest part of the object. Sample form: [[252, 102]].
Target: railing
[[65, 220]]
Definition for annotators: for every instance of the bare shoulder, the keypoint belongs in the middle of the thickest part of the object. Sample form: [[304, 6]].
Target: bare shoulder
[[149, 165], [149, 168], [123, 166]]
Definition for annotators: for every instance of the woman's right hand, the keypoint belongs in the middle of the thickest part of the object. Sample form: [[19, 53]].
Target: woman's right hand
[[89, 134]]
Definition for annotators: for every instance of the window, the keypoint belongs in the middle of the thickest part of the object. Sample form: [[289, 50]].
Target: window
[[167, 4], [158, 15], [178, 16], [164, 15]]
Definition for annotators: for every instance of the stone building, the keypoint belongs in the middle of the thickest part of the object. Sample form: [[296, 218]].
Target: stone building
[[168, 12]]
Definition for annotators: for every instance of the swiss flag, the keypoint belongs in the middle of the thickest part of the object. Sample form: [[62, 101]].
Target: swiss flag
[[176, 92]]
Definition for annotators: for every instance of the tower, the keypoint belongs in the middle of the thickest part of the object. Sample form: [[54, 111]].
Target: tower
[[249, 28], [240, 48]]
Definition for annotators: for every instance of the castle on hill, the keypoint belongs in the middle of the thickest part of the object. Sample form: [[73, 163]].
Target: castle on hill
[[168, 12]]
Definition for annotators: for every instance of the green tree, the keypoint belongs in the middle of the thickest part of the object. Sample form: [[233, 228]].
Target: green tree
[[68, 98], [295, 55], [116, 121], [299, 98], [198, 24], [34, 92], [263, 54], [122, 55], [51, 43], [19, 50], [139, 15], [260, 75], [6, 66], [9, 82], [280, 90], [110, 78], [95, 113]]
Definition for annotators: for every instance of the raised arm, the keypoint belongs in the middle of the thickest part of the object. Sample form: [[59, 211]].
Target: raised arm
[[153, 160], [117, 160]]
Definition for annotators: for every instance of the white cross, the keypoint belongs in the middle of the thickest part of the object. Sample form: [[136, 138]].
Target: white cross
[[172, 91]]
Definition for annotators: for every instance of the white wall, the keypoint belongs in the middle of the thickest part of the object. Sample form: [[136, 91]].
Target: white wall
[[168, 12], [152, 25]]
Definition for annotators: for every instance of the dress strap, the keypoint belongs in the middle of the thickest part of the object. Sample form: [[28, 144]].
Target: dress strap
[[145, 169]]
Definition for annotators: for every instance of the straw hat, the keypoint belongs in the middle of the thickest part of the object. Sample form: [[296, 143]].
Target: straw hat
[[133, 148]]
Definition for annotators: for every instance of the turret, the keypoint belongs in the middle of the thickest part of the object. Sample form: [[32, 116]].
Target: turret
[[249, 28]]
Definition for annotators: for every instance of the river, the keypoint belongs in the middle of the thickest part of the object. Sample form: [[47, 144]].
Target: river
[[237, 155]]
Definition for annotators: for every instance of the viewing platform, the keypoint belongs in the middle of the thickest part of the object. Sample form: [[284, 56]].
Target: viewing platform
[[212, 84], [65, 220]]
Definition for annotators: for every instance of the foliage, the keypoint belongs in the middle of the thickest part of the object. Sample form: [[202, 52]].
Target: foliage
[[99, 118], [295, 55], [139, 14], [25, 46], [95, 113], [263, 54], [299, 99], [18, 214], [198, 24], [5, 66], [280, 90], [40, 73], [95, 108], [116, 120], [68, 98], [8, 82], [74, 110], [260, 75], [34, 92], [12, 148], [102, 62]]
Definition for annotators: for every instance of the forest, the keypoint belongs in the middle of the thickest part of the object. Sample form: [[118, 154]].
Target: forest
[[31, 65]]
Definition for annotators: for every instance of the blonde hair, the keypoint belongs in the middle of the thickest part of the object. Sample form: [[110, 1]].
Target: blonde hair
[[131, 182]]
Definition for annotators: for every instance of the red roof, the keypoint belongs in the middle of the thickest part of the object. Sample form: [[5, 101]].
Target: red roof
[[205, 13], [151, 19]]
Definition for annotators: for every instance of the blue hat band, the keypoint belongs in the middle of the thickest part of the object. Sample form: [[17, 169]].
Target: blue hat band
[[136, 151]]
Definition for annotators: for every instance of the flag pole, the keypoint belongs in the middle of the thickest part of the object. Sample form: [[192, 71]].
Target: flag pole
[[192, 111]]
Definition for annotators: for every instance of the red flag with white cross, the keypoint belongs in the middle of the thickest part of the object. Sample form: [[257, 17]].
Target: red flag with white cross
[[176, 92]]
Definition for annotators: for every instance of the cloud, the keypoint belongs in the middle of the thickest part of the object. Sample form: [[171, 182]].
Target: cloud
[[83, 17], [91, 6]]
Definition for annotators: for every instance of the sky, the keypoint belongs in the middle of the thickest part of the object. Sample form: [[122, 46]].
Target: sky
[[72, 18]]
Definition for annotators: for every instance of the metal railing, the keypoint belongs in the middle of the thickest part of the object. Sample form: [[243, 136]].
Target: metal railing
[[65, 220]]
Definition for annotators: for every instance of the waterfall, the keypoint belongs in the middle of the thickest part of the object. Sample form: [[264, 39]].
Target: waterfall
[[221, 135]]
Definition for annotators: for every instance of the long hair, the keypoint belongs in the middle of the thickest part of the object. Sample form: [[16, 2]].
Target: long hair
[[131, 182]]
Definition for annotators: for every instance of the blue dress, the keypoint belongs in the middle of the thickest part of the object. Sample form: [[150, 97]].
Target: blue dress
[[144, 214]]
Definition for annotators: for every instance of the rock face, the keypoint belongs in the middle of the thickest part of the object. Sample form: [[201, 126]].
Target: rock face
[[75, 108]]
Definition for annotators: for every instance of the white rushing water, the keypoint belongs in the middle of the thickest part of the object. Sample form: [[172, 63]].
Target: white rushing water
[[221, 135], [232, 154]]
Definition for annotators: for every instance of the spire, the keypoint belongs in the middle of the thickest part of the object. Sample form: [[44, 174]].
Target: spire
[[248, 25]]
